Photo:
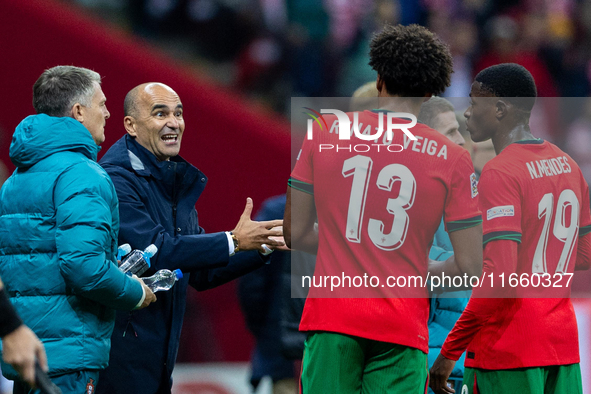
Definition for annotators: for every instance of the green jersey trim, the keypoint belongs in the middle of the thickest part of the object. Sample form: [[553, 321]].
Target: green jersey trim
[[525, 142], [463, 224], [497, 235], [300, 185]]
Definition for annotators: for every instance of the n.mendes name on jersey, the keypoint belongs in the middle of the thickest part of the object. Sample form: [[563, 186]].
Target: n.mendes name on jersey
[[548, 167]]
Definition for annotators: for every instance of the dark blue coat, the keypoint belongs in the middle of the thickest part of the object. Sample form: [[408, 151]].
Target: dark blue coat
[[157, 206]]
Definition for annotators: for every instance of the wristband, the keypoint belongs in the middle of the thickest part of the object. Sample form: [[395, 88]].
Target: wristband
[[9, 320]]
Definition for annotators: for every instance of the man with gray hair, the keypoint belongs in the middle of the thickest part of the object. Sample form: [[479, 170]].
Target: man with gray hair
[[59, 223], [439, 114]]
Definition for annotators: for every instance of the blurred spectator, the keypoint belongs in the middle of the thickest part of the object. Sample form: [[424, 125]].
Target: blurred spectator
[[578, 142], [274, 49], [505, 46], [355, 69], [308, 53], [463, 42]]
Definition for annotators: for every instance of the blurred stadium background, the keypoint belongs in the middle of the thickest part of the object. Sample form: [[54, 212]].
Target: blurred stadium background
[[237, 63]]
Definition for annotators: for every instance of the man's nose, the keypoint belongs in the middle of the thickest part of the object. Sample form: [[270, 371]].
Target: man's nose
[[173, 122], [107, 113]]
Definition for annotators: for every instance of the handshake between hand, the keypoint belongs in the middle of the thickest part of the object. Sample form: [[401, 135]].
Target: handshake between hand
[[253, 235]]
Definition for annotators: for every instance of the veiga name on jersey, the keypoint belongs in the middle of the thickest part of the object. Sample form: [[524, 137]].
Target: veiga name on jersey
[[420, 145], [425, 145], [548, 167]]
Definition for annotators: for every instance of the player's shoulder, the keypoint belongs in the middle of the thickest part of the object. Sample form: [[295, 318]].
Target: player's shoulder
[[500, 168], [520, 152], [528, 160]]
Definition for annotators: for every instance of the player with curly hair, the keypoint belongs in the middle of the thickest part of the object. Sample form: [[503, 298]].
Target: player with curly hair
[[377, 213]]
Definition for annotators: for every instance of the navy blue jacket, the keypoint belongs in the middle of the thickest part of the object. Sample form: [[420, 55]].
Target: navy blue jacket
[[157, 206]]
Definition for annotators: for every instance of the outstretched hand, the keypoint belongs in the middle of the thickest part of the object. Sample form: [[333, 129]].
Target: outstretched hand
[[252, 235]]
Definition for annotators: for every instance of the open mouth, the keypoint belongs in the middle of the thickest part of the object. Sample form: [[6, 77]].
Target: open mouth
[[170, 138]]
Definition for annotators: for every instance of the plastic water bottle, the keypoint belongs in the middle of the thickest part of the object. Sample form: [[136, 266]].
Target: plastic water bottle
[[138, 262], [162, 280]]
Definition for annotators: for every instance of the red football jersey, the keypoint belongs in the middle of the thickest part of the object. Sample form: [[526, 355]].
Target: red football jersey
[[379, 204], [535, 206]]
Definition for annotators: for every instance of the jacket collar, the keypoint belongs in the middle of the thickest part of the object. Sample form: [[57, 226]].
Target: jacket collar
[[39, 136], [129, 154]]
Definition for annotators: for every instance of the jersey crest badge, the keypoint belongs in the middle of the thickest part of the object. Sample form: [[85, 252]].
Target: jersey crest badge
[[474, 185], [90, 387]]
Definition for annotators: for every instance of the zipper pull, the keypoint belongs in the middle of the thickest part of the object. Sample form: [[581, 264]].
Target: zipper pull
[[127, 325]]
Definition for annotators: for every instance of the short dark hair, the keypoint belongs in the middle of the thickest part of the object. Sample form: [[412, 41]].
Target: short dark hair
[[511, 81], [411, 60], [59, 88], [433, 107]]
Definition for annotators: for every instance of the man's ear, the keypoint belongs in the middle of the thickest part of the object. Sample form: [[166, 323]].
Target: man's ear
[[501, 109], [380, 84], [129, 124], [77, 112]]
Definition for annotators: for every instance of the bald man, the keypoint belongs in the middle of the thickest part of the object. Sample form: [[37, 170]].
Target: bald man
[[157, 192]]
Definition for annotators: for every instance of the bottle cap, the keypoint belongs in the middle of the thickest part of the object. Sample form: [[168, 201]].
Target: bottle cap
[[150, 251], [123, 250], [179, 274]]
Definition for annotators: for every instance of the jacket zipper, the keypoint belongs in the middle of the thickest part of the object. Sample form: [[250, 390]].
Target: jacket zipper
[[174, 216]]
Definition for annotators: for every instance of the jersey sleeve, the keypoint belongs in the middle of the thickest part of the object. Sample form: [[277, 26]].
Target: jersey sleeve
[[302, 176], [499, 256], [500, 203], [461, 204]]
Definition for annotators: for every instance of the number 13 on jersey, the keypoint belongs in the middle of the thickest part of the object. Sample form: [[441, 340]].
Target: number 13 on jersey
[[360, 168]]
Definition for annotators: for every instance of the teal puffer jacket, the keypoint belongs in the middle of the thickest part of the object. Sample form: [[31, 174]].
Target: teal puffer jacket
[[59, 223]]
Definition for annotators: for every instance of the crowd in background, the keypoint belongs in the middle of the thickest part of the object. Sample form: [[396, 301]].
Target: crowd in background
[[271, 50], [319, 48]]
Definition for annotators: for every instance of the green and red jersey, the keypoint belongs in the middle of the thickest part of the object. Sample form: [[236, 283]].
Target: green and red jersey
[[379, 204], [535, 207]]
